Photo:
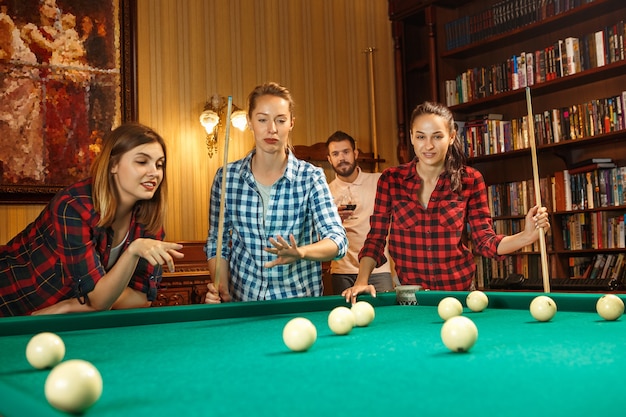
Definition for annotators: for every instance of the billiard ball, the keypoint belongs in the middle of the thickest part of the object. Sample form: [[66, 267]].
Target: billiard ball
[[73, 386], [610, 307], [45, 350], [542, 308], [341, 320], [449, 307], [477, 301], [299, 334], [363, 313], [459, 333]]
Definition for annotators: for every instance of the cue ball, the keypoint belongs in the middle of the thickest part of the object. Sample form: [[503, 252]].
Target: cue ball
[[459, 333], [73, 386], [449, 307], [363, 313], [610, 307], [45, 350], [542, 308], [299, 334], [341, 320], [477, 301]]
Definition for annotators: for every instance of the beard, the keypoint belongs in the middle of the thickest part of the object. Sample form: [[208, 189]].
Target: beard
[[345, 169]]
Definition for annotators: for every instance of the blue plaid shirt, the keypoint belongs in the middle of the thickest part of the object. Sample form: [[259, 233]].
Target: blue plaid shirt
[[300, 204]]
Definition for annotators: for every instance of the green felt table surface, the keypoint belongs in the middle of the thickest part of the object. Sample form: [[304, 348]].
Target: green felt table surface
[[230, 360]]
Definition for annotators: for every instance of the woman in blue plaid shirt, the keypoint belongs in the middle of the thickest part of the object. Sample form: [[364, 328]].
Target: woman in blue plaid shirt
[[280, 221]]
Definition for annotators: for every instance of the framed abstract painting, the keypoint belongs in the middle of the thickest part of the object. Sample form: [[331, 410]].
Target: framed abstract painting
[[66, 78]]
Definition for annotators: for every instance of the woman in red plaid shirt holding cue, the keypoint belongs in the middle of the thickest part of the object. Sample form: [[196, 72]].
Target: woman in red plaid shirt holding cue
[[423, 208], [98, 244]]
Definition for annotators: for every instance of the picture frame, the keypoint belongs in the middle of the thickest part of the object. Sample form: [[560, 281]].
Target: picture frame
[[68, 98]]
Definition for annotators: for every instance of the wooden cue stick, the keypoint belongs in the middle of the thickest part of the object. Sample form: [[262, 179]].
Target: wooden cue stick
[[372, 99], [533, 152], [220, 220]]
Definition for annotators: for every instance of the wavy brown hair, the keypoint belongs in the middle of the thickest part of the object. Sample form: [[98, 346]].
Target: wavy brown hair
[[455, 158], [105, 195]]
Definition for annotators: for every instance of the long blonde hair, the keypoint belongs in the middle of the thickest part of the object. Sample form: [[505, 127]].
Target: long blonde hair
[[105, 194]]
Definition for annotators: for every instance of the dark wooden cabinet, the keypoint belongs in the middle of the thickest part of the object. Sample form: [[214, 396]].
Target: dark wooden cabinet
[[188, 283], [475, 41]]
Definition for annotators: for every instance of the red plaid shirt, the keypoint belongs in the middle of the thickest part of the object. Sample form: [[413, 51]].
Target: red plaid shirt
[[426, 243], [63, 254]]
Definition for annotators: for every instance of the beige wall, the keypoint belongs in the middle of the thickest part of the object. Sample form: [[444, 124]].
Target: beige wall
[[188, 50]]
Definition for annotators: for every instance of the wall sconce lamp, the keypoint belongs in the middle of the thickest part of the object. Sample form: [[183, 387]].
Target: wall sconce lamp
[[211, 119]]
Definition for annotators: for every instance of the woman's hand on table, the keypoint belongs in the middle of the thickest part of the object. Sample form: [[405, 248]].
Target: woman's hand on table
[[350, 294]]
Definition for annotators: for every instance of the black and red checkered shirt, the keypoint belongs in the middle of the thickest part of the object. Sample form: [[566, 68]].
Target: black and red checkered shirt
[[62, 254], [426, 242]]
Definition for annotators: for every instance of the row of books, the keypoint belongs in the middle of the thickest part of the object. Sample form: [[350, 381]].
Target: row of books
[[502, 17], [578, 265], [592, 118], [565, 57], [490, 134], [526, 264], [600, 266], [593, 230], [516, 198], [590, 186]]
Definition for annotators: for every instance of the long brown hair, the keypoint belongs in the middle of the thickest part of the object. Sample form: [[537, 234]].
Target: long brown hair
[[116, 143], [455, 158]]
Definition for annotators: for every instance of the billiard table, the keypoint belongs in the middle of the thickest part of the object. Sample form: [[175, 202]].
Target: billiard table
[[230, 360]]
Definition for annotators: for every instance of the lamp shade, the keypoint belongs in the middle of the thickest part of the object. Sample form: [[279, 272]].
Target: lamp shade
[[239, 119], [209, 119]]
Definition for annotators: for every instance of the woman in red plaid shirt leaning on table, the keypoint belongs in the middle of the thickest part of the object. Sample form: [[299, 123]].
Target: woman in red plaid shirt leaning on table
[[423, 208], [98, 244]]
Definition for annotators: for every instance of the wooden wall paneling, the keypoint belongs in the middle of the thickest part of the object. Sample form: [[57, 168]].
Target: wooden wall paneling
[[188, 50], [14, 217]]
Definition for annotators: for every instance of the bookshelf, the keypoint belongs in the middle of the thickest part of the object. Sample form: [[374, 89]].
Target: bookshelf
[[414, 32], [481, 49]]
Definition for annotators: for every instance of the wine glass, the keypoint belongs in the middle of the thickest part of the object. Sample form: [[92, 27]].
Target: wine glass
[[350, 202]]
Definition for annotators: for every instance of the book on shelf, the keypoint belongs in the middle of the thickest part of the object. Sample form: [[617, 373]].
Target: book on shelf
[[608, 265], [591, 167], [530, 69], [619, 266], [590, 161], [568, 190], [590, 187], [572, 52], [598, 266], [486, 116], [599, 47]]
